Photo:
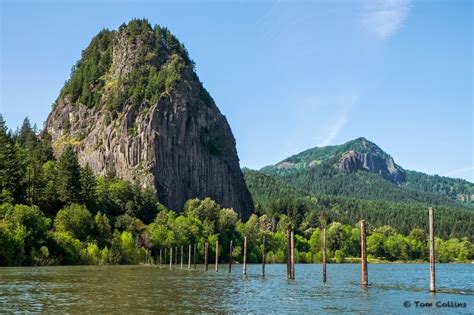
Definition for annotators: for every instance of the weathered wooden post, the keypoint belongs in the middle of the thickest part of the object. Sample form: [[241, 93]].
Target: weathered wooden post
[[292, 254], [181, 256], [166, 255], [363, 254], [245, 256], [288, 255], [432, 251], [323, 223], [161, 256], [217, 255], [230, 257], [171, 257], [189, 257], [324, 254], [206, 248], [263, 257], [176, 255], [194, 256]]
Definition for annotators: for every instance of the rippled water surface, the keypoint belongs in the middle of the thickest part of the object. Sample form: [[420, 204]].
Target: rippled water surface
[[139, 289]]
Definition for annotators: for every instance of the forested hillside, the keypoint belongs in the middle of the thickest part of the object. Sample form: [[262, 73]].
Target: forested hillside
[[360, 169], [454, 188], [273, 197]]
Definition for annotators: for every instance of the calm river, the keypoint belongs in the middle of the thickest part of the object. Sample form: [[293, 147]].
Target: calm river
[[394, 289]]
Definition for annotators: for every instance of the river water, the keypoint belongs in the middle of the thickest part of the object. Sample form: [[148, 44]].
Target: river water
[[394, 288]]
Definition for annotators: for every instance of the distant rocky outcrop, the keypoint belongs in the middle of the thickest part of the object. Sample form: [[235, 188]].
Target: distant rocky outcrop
[[465, 197], [353, 161], [135, 108]]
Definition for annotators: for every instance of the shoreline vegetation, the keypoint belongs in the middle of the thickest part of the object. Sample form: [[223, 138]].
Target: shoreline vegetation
[[351, 261], [55, 212]]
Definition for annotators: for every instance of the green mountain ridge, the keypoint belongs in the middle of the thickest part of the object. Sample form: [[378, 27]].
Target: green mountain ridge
[[319, 154], [455, 188], [360, 169]]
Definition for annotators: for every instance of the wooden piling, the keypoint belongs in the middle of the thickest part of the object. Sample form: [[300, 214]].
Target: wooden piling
[[263, 257], [363, 254], [194, 256], [324, 254], [230, 257], [181, 256], [292, 254], [245, 256], [288, 254], [432, 251], [166, 255], [206, 249], [217, 255], [161, 256], [176, 255], [189, 257], [171, 257]]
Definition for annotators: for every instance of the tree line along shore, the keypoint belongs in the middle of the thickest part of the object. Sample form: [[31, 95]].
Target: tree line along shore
[[55, 212]]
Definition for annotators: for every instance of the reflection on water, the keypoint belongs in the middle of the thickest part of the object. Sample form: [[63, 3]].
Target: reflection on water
[[124, 289]]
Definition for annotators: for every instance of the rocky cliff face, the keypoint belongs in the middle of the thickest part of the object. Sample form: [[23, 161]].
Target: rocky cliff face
[[146, 118], [465, 197], [353, 161]]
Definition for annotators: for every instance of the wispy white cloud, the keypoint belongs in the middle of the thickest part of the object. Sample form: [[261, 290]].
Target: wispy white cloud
[[384, 18], [459, 171], [336, 126], [346, 100], [319, 120]]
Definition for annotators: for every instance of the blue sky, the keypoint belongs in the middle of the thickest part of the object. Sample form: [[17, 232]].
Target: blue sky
[[287, 75]]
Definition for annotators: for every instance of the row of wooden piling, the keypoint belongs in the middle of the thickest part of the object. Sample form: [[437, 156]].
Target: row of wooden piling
[[182, 256], [291, 254], [206, 260]]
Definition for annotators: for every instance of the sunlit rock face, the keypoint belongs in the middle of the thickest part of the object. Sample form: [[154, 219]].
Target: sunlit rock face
[[353, 161], [150, 121]]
